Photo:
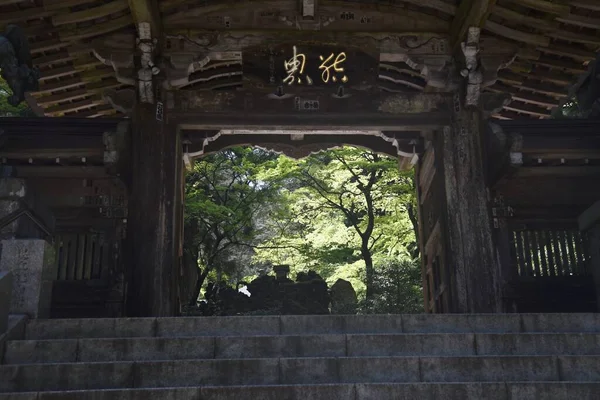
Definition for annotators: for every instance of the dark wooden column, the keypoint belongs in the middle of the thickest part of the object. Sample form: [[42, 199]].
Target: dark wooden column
[[589, 224], [471, 252], [154, 210]]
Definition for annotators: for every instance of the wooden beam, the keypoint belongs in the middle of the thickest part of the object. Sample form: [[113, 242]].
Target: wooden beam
[[526, 97], [24, 15], [470, 13], [75, 106], [528, 109], [592, 5], [42, 46], [519, 36], [515, 17], [75, 172], [60, 85], [556, 77], [99, 111], [53, 5], [146, 11], [547, 89], [545, 6], [575, 37], [555, 63], [574, 52], [62, 97], [90, 14], [581, 21], [98, 29], [561, 171]]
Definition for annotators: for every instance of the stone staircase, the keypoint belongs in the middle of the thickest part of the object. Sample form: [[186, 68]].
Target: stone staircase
[[380, 357]]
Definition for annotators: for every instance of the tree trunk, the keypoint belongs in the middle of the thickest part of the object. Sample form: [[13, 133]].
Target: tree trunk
[[370, 272], [199, 282], [153, 231]]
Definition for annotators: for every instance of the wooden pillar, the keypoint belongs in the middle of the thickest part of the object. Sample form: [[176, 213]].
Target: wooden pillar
[[154, 209], [471, 255], [589, 224]]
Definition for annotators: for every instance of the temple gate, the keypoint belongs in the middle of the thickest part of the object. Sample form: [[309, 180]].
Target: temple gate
[[427, 81]]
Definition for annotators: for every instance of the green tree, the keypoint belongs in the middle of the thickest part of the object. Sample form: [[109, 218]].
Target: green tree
[[346, 207], [223, 197], [6, 110]]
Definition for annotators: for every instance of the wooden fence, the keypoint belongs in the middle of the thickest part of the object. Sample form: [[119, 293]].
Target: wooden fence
[[549, 253], [81, 256]]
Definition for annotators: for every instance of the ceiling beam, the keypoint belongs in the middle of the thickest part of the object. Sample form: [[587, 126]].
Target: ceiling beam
[[470, 13], [146, 11]]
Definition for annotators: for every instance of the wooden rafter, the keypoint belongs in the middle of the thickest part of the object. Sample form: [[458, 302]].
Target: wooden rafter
[[470, 13], [91, 13], [146, 11]]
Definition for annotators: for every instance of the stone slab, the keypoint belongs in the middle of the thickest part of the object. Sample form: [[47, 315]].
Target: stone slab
[[192, 393], [16, 195], [373, 324], [40, 351], [206, 372], [579, 368], [279, 392], [554, 390], [215, 326], [411, 345], [432, 391], [31, 262], [538, 344], [91, 328], [145, 349], [461, 323], [489, 369], [379, 369], [19, 396], [280, 346], [584, 322], [312, 324], [74, 376], [283, 392], [6, 282]]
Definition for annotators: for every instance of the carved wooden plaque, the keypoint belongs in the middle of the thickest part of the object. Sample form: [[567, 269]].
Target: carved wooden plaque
[[307, 65]]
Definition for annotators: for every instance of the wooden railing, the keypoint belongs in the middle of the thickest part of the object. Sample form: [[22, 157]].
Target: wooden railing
[[549, 253]]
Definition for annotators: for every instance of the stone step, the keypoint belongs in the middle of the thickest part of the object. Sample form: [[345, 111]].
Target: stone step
[[300, 325], [384, 391], [287, 371], [351, 345]]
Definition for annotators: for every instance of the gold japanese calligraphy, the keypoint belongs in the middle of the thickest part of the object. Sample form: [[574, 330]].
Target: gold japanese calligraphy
[[332, 67], [332, 63], [294, 67]]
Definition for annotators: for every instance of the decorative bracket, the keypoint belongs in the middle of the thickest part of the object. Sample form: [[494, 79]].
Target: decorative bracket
[[472, 71]]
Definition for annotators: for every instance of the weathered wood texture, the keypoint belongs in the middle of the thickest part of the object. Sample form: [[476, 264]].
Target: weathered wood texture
[[589, 222], [438, 283], [471, 250], [308, 109], [63, 34], [153, 233]]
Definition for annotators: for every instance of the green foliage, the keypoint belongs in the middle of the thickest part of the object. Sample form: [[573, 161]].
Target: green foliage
[[345, 213], [6, 110], [398, 289], [345, 208], [223, 198]]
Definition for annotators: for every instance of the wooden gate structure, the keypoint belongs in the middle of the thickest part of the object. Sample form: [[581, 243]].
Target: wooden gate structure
[[461, 89]]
